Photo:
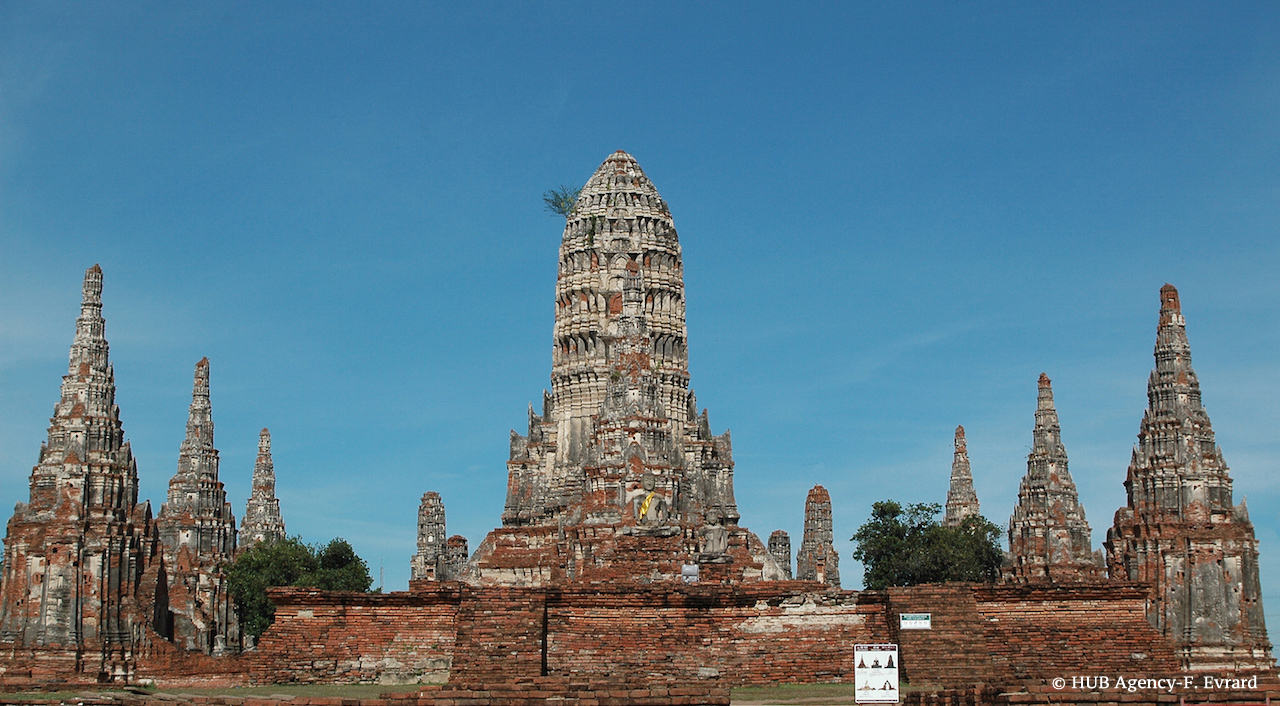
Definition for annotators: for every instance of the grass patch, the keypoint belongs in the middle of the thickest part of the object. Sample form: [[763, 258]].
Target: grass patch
[[828, 694]]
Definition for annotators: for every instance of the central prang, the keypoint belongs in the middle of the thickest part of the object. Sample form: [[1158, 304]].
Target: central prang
[[619, 477]]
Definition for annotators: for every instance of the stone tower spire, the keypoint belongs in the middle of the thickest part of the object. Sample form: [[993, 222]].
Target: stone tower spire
[[81, 558], [198, 532], [780, 548], [962, 502], [262, 520], [1049, 539], [1180, 531], [619, 445], [817, 559], [429, 563]]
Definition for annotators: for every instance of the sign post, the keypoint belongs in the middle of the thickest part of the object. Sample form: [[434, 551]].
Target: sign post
[[875, 674]]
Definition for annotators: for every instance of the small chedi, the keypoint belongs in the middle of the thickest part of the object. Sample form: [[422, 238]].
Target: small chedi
[[780, 548], [437, 559], [817, 559], [619, 477], [82, 580], [1180, 531], [962, 501], [198, 533], [1049, 539], [262, 520]]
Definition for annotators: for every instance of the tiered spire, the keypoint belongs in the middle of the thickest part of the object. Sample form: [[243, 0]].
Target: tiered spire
[[81, 557], [817, 559], [430, 560], [1049, 539], [198, 532], [620, 431], [1180, 531], [262, 520], [962, 501]]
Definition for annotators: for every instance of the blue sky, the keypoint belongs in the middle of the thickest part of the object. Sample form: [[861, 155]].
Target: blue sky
[[894, 217]]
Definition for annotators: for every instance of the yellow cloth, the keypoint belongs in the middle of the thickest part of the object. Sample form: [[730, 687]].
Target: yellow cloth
[[644, 506]]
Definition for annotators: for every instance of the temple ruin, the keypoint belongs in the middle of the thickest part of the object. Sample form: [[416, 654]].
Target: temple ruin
[[1049, 539], [817, 559], [198, 535], [780, 548], [262, 520], [619, 475], [620, 554], [1180, 531], [82, 569], [437, 559], [962, 501]]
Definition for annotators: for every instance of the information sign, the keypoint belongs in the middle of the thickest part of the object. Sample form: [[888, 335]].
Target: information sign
[[915, 621], [875, 674]]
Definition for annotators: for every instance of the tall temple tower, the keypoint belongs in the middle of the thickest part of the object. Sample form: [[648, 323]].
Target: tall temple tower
[[429, 562], [198, 532], [262, 520], [81, 560], [619, 468], [962, 501], [817, 559], [1049, 539], [1180, 531]]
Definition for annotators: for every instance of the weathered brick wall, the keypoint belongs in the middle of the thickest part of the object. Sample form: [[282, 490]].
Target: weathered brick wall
[[764, 633], [1045, 631], [358, 637], [745, 634], [500, 633], [955, 651], [1012, 633]]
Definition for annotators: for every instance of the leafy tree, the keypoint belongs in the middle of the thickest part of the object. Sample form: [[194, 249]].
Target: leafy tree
[[289, 562], [561, 200], [904, 547]]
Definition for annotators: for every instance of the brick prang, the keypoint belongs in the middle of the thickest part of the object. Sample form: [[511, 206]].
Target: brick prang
[[1049, 538], [1180, 531]]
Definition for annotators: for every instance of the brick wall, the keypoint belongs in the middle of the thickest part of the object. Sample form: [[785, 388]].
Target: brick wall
[[764, 633], [321, 636]]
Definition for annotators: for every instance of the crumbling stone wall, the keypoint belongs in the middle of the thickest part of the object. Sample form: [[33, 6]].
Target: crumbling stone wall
[[325, 636], [757, 633]]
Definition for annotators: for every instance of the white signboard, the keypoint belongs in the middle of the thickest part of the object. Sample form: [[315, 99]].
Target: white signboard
[[915, 621], [875, 673]]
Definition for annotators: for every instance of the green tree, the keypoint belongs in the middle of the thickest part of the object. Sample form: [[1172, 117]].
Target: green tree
[[905, 547], [289, 562], [561, 200]]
